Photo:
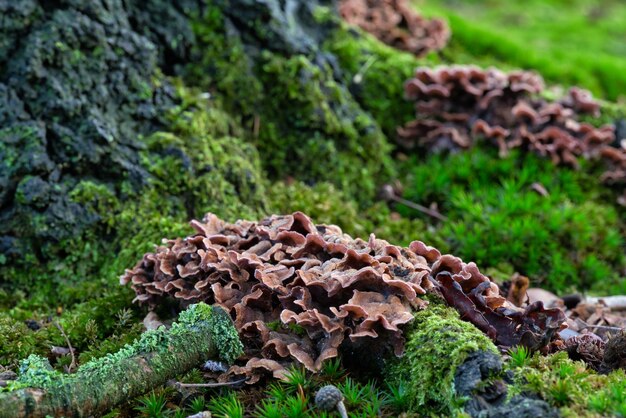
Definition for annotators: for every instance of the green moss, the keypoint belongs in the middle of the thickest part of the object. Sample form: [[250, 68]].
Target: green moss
[[323, 14], [198, 319], [18, 341], [110, 344], [376, 74], [574, 43], [437, 343], [566, 241], [26, 137], [202, 163], [576, 390], [92, 326], [333, 139], [221, 65], [305, 124]]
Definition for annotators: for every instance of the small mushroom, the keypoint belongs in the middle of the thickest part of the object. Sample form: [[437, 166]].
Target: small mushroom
[[329, 398]]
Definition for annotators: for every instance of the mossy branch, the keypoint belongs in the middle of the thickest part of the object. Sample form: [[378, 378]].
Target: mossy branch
[[201, 332]]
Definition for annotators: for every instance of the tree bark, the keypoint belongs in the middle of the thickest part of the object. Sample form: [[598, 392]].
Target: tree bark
[[94, 389]]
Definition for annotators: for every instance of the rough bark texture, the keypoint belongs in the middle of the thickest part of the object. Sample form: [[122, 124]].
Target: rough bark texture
[[100, 385]]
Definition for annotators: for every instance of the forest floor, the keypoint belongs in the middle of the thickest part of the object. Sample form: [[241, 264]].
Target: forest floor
[[220, 125]]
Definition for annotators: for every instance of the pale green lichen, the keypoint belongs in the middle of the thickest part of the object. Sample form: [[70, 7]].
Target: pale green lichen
[[35, 371], [193, 324], [225, 336], [437, 344], [215, 321]]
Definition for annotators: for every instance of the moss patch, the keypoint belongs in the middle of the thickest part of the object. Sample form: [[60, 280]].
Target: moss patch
[[570, 240], [375, 74], [576, 390], [302, 119], [437, 343], [575, 43]]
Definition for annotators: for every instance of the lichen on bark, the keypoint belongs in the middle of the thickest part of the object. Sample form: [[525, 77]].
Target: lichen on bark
[[201, 332]]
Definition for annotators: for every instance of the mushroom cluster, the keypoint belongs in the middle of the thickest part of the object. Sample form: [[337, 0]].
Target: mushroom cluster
[[459, 104], [397, 24], [478, 300], [303, 292]]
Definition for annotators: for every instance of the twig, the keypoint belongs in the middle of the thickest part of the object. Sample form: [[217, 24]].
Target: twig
[[208, 385], [256, 126], [616, 303], [69, 345], [604, 327], [358, 77], [388, 193], [418, 207]]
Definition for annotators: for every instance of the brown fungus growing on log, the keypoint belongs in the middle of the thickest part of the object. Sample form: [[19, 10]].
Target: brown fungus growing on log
[[396, 23], [303, 292], [457, 105]]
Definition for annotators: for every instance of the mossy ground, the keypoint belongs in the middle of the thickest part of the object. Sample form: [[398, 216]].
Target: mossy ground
[[292, 398], [233, 154], [569, 240], [438, 343], [577, 42], [571, 386]]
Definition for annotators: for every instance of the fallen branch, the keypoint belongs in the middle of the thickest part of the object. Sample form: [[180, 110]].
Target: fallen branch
[[208, 385], [615, 303], [72, 365], [430, 212], [603, 327], [201, 332], [388, 193]]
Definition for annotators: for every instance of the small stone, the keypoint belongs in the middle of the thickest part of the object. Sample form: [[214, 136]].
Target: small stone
[[203, 414], [152, 321], [32, 324]]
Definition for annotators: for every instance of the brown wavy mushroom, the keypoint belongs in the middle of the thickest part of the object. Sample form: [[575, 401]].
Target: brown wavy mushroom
[[458, 105], [300, 292]]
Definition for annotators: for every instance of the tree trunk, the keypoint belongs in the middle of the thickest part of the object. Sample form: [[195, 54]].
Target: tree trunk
[[148, 363]]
